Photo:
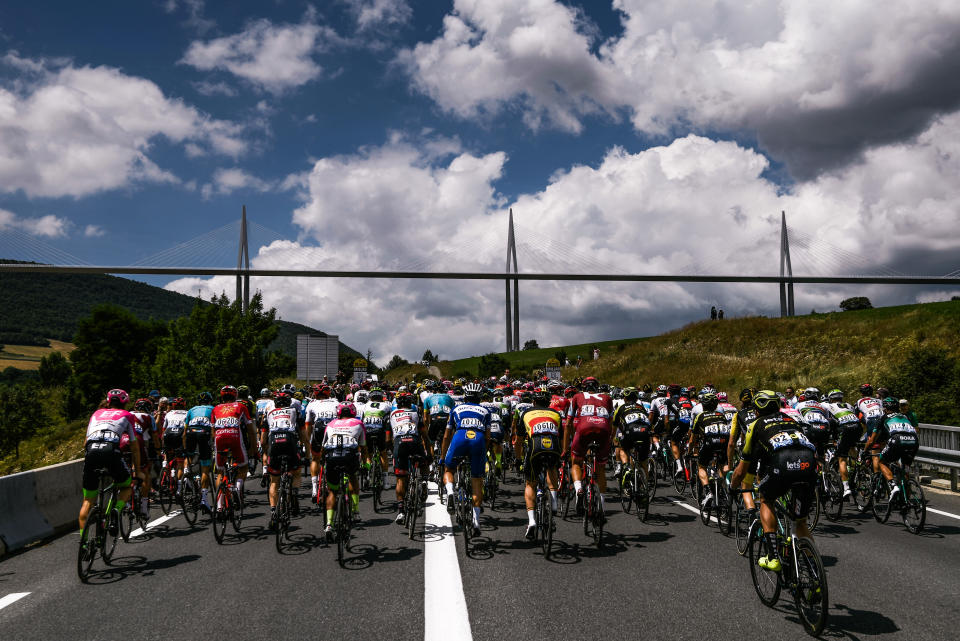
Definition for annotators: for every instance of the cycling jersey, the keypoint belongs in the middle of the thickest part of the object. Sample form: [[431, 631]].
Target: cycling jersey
[[319, 414], [102, 449], [786, 459], [542, 426], [404, 422], [792, 414], [496, 421], [281, 419], [900, 438], [633, 428], [560, 404], [741, 421], [541, 420], [729, 411], [816, 421], [283, 443], [591, 414], [407, 443], [342, 441], [870, 411], [711, 430], [264, 405], [767, 435], [110, 425], [174, 429], [230, 421], [376, 417]]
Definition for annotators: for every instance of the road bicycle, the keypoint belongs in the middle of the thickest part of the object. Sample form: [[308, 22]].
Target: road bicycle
[[285, 505], [637, 488], [743, 517], [565, 491], [133, 510], [719, 504], [416, 495], [491, 484], [543, 512], [909, 501], [801, 568], [342, 517], [228, 505], [593, 516], [463, 498], [101, 531]]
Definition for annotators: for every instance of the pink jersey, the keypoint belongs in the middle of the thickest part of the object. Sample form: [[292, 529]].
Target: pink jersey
[[111, 425], [348, 432]]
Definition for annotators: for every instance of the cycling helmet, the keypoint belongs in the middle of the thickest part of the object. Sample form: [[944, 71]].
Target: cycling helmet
[[866, 389], [835, 396], [377, 394], [118, 396], [243, 391], [179, 403], [630, 393], [674, 389], [204, 398], [282, 399], [662, 390], [265, 393], [690, 391], [722, 397], [604, 389], [555, 386], [709, 401], [590, 384], [228, 393], [890, 405], [404, 400], [346, 410], [570, 391], [526, 397], [472, 389], [541, 396], [323, 391], [766, 402], [811, 394], [143, 405], [361, 396], [746, 395]]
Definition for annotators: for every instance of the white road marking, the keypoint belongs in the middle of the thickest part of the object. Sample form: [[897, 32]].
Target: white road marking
[[152, 524], [445, 616], [942, 513], [13, 597], [687, 506]]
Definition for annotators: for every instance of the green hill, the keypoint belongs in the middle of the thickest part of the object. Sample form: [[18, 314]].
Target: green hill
[[50, 305]]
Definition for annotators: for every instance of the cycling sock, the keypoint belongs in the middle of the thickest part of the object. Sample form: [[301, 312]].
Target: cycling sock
[[531, 518], [476, 516], [498, 456], [578, 486], [355, 502], [449, 487], [315, 481], [553, 499], [240, 485], [203, 496], [771, 545], [329, 517]]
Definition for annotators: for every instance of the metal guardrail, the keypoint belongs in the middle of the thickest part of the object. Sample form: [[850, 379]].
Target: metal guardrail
[[940, 447]]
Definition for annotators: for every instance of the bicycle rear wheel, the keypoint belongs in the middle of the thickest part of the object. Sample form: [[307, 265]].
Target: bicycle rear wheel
[[598, 520], [342, 519], [167, 491], [724, 511], [705, 509], [625, 491], [862, 488], [236, 510], [220, 517], [765, 582], [881, 500], [914, 512], [87, 549], [813, 518], [743, 520], [413, 500], [545, 523], [108, 541], [376, 483], [282, 518], [833, 499], [189, 500], [127, 519], [679, 480], [642, 494], [811, 596]]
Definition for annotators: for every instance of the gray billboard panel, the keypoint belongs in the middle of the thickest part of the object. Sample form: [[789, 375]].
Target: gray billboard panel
[[317, 356]]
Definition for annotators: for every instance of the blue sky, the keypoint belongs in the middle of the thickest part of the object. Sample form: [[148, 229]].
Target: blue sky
[[645, 136]]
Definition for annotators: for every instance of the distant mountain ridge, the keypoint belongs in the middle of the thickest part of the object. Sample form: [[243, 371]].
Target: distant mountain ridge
[[51, 305]]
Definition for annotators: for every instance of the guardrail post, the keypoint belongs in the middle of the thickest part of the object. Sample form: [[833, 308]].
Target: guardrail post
[[953, 479]]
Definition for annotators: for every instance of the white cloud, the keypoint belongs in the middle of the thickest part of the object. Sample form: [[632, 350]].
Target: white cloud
[[214, 88], [693, 206], [271, 57], [93, 231], [817, 82], [226, 181], [76, 131], [48, 226], [375, 14]]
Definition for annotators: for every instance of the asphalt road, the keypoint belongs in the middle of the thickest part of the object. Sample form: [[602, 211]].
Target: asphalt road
[[671, 577]]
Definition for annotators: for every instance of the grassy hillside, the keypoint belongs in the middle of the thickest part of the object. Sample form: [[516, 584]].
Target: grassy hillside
[[58, 301]]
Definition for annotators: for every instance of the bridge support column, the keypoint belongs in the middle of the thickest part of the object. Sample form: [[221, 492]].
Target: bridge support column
[[786, 283], [513, 329], [243, 265]]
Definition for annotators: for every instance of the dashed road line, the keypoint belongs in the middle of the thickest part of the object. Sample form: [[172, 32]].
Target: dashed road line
[[942, 513], [13, 597], [155, 523], [445, 616]]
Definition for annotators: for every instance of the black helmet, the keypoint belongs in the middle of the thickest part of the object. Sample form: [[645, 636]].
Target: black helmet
[[282, 399], [204, 398], [766, 402], [541, 396], [890, 404], [866, 389], [709, 401]]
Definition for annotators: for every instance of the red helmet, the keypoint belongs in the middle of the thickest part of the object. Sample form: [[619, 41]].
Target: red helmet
[[179, 403], [323, 391], [228, 393], [590, 383], [143, 405]]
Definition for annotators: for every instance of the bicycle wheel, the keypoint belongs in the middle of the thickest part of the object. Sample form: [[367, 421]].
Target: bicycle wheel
[[813, 518], [725, 512], [167, 491], [126, 521], [811, 596], [87, 549], [108, 541], [765, 582], [189, 500], [340, 525], [587, 505], [220, 517], [680, 481], [881, 500], [376, 483], [914, 511], [413, 500], [862, 488], [236, 510], [282, 518], [642, 495], [625, 491], [651, 480], [598, 519], [545, 523], [705, 509], [743, 520], [833, 498]]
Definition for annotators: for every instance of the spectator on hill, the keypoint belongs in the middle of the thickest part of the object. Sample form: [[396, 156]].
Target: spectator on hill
[[596, 353], [909, 413], [713, 313], [790, 396], [720, 314], [579, 361], [566, 362]]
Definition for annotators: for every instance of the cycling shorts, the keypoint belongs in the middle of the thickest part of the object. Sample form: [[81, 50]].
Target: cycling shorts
[[849, 435], [471, 444], [172, 443], [284, 446], [496, 433], [591, 431], [336, 463], [790, 468], [377, 439], [316, 439], [543, 451], [103, 455], [631, 437], [679, 431], [405, 448], [819, 435], [711, 446], [199, 441], [230, 440], [438, 423], [900, 447]]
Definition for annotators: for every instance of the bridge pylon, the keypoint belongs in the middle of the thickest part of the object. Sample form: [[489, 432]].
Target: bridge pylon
[[786, 283], [513, 328], [243, 265]]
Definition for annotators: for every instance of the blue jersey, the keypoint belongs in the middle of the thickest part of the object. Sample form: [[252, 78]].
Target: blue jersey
[[199, 417], [437, 404], [468, 416]]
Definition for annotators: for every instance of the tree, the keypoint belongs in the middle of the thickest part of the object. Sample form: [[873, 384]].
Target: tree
[[20, 416], [216, 345], [492, 365], [857, 302], [396, 362], [54, 370], [429, 357], [531, 344], [110, 342]]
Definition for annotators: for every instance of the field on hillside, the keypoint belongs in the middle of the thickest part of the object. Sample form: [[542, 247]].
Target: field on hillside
[[28, 356]]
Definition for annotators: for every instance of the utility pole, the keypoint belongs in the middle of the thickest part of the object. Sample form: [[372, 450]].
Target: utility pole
[[786, 284], [243, 265], [513, 332]]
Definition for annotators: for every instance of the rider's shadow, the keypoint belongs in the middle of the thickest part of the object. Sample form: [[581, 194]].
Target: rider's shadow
[[847, 622]]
